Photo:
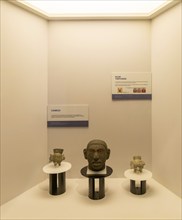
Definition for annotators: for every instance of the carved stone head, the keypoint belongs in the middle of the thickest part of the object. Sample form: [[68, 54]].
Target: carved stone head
[[96, 153]]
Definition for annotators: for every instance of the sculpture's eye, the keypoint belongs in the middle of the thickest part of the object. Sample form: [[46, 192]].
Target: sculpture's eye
[[91, 150], [100, 150]]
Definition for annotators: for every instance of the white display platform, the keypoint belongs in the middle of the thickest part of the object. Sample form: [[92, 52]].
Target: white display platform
[[145, 175], [156, 204], [51, 169]]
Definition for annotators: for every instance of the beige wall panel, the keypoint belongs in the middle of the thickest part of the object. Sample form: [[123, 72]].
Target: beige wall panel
[[166, 104], [82, 57], [23, 100]]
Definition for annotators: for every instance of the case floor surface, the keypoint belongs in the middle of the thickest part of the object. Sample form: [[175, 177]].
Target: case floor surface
[[119, 203]]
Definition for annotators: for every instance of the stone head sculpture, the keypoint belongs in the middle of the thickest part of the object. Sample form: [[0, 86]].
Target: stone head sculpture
[[96, 153]]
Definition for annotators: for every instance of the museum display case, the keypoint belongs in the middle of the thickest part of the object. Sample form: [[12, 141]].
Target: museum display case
[[74, 80]]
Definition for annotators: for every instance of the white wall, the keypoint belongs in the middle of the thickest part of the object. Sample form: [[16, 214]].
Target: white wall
[[166, 104], [82, 56], [23, 100]]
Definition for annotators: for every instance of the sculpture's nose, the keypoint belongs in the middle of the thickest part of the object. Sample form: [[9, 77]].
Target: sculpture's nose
[[96, 155]]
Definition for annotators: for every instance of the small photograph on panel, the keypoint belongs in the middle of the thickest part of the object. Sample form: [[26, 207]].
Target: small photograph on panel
[[120, 89]]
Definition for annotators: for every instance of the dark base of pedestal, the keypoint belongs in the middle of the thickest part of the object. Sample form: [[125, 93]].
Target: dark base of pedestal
[[57, 183], [137, 190], [96, 193], [93, 194]]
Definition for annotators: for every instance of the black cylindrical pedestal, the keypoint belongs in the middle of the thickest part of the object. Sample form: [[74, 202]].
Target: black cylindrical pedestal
[[94, 193], [138, 190], [57, 183]]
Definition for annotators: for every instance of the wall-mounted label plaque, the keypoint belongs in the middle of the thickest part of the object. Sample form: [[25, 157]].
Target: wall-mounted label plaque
[[67, 116], [131, 86]]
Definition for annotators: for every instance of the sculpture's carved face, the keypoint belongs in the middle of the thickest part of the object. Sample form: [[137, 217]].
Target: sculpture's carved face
[[96, 153]]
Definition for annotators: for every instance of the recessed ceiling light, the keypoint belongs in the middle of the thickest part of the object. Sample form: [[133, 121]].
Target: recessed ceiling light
[[58, 8], [95, 6]]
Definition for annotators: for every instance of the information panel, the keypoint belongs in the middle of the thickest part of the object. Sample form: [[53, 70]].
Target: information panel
[[131, 86], [67, 116]]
